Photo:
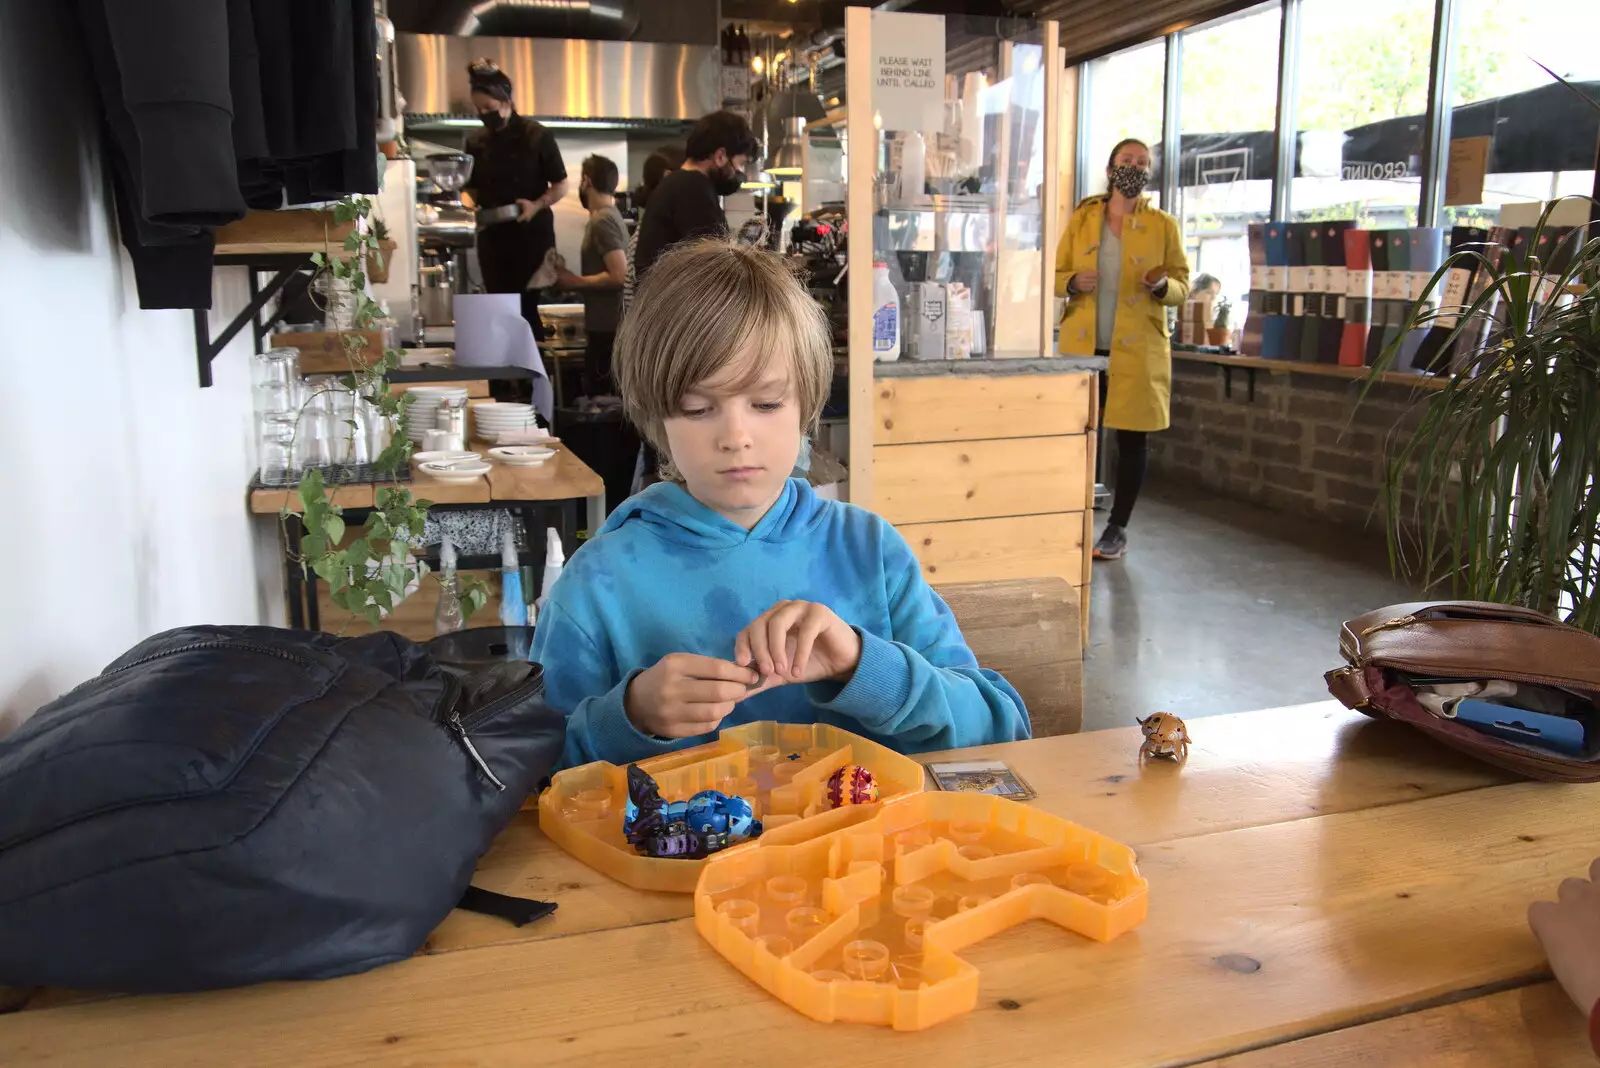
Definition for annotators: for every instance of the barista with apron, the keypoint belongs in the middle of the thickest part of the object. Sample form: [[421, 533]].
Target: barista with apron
[[516, 167]]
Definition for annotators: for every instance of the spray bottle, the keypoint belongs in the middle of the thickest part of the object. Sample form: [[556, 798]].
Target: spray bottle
[[513, 612], [447, 618], [554, 557]]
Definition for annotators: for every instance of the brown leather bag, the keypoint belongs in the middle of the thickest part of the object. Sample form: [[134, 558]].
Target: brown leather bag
[[1470, 640]]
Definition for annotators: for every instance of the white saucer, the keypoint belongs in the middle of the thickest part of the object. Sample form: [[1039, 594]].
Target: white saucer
[[522, 455]]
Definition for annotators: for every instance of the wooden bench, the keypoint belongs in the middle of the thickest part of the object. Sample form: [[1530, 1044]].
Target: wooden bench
[[1030, 631]]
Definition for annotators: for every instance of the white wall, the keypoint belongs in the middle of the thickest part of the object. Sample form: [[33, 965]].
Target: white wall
[[122, 483]]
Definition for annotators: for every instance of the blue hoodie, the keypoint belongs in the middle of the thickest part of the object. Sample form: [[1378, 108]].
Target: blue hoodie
[[667, 575]]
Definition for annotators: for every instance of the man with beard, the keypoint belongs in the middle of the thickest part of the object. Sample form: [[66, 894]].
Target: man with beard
[[688, 202]]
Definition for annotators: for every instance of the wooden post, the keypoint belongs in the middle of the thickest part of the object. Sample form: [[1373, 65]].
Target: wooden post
[[862, 136], [1050, 210]]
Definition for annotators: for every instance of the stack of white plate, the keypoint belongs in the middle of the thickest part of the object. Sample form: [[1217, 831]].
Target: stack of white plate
[[493, 419], [423, 414]]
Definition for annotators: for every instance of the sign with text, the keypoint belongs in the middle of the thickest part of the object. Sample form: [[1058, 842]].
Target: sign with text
[[1468, 166], [908, 70]]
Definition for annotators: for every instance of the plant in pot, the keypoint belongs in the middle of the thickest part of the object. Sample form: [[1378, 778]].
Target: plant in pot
[[368, 573], [1217, 332], [1496, 493], [379, 252]]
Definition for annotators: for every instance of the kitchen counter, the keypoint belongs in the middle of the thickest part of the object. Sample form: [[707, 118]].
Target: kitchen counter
[[1052, 365]]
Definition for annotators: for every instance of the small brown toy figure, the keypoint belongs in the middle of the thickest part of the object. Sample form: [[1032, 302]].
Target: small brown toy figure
[[1165, 736]]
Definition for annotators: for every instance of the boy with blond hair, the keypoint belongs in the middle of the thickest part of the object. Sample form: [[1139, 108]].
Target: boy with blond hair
[[730, 592]]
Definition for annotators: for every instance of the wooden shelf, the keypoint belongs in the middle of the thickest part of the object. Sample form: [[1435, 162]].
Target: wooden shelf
[[323, 352], [1323, 370], [282, 233]]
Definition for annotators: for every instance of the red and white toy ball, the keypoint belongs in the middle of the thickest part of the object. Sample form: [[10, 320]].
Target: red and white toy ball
[[851, 785]]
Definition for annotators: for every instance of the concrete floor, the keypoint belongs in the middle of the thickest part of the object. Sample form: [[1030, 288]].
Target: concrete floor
[[1222, 606]]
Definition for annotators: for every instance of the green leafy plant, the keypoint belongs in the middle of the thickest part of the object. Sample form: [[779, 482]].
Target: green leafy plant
[[1496, 494], [368, 575], [1224, 311]]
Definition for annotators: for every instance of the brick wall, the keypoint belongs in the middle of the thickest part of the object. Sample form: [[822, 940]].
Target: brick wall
[[1302, 445]]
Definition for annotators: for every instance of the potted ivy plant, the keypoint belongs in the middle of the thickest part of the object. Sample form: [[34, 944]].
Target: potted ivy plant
[[368, 574]]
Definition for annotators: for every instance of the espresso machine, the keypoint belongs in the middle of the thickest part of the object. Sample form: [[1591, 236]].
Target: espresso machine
[[446, 230]]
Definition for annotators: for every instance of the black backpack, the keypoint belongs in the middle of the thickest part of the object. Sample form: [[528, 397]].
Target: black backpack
[[225, 805]]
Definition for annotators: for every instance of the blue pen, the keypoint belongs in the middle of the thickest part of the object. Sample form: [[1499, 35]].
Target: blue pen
[[1556, 733]]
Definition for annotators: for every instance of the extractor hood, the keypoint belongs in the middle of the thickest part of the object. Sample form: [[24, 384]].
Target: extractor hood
[[572, 83]]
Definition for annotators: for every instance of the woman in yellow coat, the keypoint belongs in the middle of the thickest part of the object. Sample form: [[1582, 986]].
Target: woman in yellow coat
[[1121, 265]]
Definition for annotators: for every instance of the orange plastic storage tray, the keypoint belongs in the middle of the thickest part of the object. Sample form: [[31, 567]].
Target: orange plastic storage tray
[[865, 923], [781, 767]]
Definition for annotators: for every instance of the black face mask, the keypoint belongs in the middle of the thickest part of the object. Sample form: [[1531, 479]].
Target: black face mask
[[727, 182], [492, 120], [1129, 180], [583, 198]]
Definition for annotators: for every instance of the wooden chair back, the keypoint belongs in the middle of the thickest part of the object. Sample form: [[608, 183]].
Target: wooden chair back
[[1028, 630]]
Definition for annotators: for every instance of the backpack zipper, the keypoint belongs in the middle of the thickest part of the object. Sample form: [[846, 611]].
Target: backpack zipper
[[209, 643], [472, 750], [214, 643], [464, 727]]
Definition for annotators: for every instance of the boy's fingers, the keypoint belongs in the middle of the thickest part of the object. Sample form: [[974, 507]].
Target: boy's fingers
[[779, 624], [741, 649], [714, 668], [805, 639], [755, 639], [697, 692], [686, 720]]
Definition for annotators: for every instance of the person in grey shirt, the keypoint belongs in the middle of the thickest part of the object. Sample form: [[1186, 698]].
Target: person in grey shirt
[[604, 266]]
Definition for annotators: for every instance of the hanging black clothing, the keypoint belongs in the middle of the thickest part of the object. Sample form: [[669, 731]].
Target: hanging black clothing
[[210, 107], [319, 101], [519, 161], [162, 74]]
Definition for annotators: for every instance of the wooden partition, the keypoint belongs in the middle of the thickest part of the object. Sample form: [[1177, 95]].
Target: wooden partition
[[988, 476]]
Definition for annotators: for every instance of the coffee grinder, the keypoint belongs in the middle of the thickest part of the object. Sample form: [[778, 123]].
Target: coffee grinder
[[446, 229]]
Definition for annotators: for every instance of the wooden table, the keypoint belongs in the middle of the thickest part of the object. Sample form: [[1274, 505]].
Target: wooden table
[[563, 477], [1325, 890]]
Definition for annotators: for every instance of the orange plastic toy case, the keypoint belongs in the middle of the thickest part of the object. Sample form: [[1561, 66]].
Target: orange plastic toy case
[[782, 767], [865, 921]]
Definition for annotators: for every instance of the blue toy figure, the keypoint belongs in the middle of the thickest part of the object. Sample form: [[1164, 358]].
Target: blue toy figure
[[710, 811], [707, 822]]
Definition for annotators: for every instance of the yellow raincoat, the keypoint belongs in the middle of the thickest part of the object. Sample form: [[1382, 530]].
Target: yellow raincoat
[[1140, 376]]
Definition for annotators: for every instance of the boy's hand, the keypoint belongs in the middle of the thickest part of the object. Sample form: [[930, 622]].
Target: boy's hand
[[684, 695], [1569, 928], [799, 641]]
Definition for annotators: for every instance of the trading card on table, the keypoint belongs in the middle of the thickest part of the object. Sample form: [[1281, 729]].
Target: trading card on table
[[982, 777]]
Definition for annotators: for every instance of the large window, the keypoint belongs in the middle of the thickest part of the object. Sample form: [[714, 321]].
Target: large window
[[1363, 82], [1226, 115], [1125, 92], [1540, 136]]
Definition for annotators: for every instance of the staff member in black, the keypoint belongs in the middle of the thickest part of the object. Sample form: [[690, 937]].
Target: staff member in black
[[688, 202], [514, 161]]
